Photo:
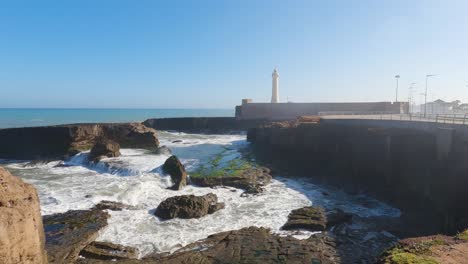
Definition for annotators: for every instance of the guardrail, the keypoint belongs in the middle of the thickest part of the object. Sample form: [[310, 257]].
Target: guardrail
[[437, 118]]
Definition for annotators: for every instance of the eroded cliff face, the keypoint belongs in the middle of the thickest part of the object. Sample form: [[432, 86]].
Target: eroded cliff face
[[62, 141], [21, 229], [409, 168]]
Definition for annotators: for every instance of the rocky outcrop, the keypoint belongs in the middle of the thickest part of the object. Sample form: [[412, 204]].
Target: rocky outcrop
[[251, 179], [21, 230], [54, 142], [68, 233], [188, 206], [112, 206], [430, 250], [104, 148], [176, 169], [311, 218], [202, 124], [108, 251], [254, 245]]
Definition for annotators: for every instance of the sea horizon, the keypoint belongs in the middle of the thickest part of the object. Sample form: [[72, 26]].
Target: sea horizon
[[34, 117]]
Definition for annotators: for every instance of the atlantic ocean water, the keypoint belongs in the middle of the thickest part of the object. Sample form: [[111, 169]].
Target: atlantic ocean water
[[29, 117], [136, 178]]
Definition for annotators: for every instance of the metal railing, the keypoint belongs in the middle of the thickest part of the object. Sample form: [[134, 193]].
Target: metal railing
[[437, 118]]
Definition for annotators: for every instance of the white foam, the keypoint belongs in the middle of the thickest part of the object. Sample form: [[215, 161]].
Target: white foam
[[135, 178]]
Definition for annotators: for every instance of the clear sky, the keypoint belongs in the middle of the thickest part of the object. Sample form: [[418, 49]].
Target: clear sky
[[213, 53]]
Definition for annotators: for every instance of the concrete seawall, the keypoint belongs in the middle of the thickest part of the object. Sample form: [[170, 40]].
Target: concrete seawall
[[417, 167], [286, 111]]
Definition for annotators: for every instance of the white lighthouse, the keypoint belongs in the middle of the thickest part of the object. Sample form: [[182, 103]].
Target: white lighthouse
[[275, 87]]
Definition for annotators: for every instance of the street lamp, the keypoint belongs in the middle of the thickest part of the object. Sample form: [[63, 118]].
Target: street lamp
[[396, 91], [410, 95], [425, 94]]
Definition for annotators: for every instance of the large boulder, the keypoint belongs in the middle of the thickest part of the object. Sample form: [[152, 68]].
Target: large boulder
[[68, 233], [104, 148], [21, 230], [176, 169], [310, 218], [188, 206]]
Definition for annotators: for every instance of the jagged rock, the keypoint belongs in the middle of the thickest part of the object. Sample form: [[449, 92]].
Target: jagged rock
[[310, 218], [174, 167], [188, 206], [337, 216], [251, 180], [21, 229], [54, 142], [163, 150], [253, 245], [113, 206], [104, 148], [68, 233], [108, 251]]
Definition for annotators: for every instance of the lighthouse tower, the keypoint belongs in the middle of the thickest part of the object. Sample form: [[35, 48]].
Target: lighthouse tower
[[275, 87]]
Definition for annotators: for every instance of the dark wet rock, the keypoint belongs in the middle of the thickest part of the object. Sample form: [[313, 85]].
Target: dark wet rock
[[188, 206], [176, 169], [104, 148], [108, 251], [250, 179], [63, 141], [310, 218], [163, 150], [337, 216], [113, 206], [68, 233], [177, 141], [254, 245]]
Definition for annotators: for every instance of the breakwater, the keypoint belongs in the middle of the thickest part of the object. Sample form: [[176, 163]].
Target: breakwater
[[203, 124], [417, 167]]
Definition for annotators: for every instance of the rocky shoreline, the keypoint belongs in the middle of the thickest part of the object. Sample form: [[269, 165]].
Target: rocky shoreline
[[298, 146]]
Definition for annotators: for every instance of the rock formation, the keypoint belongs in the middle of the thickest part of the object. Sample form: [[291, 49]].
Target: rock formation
[[429, 250], [112, 206], [104, 148], [310, 218], [254, 245], [21, 230], [176, 169], [57, 142], [188, 206], [108, 251], [251, 179], [68, 233]]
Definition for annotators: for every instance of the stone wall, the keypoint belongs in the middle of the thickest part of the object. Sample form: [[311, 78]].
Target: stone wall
[[202, 124], [285, 111], [417, 170]]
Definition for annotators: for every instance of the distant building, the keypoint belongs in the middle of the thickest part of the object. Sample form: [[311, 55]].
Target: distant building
[[440, 107], [275, 110]]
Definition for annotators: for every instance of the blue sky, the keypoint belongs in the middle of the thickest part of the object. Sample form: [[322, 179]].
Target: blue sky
[[212, 53]]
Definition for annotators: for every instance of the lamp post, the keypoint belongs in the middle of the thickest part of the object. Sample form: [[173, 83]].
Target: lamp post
[[410, 95], [425, 94], [396, 91]]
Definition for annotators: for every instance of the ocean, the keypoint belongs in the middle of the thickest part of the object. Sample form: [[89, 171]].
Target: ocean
[[28, 117]]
